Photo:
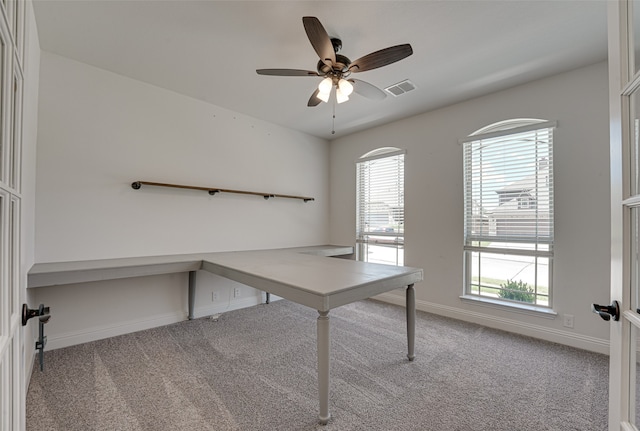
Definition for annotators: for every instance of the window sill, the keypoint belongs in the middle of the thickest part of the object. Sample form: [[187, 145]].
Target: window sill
[[518, 308]]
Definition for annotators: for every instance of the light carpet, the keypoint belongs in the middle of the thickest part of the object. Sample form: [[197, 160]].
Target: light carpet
[[255, 369]]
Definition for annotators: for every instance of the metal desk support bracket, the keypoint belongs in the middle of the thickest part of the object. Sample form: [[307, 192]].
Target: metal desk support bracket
[[192, 292]]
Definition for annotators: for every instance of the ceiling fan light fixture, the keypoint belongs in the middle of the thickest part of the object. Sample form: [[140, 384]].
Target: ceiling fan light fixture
[[323, 96], [341, 96], [345, 87], [325, 86]]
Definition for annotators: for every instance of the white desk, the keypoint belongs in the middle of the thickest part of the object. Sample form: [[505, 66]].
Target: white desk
[[319, 283], [303, 275]]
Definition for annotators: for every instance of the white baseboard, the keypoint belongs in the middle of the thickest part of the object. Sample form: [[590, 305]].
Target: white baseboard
[[567, 338], [56, 341], [236, 304], [29, 360], [85, 335]]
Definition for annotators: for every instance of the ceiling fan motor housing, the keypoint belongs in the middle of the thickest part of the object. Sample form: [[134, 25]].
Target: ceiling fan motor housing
[[340, 67]]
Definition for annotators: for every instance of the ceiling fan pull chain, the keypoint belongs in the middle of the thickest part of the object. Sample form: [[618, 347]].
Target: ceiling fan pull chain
[[333, 122]]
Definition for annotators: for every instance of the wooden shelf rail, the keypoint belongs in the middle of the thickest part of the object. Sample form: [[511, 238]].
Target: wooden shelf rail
[[213, 190]]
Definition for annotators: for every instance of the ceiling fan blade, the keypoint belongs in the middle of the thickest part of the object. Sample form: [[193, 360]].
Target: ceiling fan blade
[[319, 40], [286, 72], [381, 58], [313, 100], [367, 90]]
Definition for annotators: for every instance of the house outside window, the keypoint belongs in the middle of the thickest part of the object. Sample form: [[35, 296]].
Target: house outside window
[[380, 206], [508, 212]]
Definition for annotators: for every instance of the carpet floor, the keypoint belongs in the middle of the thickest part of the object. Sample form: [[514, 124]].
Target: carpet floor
[[255, 369]]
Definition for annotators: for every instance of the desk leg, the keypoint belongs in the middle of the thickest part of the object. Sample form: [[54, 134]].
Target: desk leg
[[411, 321], [323, 365], [192, 292]]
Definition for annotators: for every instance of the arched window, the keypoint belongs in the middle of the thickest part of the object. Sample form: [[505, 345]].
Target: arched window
[[508, 212], [380, 206]]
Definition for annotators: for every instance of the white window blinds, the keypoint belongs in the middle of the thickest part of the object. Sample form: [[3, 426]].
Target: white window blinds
[[508, 177], [508, 212], [380, 207]]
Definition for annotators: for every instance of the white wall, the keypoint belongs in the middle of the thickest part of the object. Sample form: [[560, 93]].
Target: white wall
[[29, 136], [98, 132], [28, 201], [434, 200]]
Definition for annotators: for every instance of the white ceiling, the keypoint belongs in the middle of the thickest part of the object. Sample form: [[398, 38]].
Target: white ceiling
[[210, 50]]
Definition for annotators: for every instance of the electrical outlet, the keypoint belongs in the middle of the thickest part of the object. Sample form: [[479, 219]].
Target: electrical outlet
[[567, 321], [236, 292], [214, 296]]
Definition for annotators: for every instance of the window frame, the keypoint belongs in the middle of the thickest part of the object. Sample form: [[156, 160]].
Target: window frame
[[362, 241], [504, 129]]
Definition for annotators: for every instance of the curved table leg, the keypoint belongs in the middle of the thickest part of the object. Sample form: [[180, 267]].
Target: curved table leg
[[411, 321], [323, 342]]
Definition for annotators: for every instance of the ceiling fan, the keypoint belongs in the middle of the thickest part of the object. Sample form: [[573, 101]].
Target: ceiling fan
[[336, 68]]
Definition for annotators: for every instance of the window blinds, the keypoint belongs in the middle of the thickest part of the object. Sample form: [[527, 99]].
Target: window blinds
[[380, 203], [508, 178]]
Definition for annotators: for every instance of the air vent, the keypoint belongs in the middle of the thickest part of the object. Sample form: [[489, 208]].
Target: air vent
[[401, 87]]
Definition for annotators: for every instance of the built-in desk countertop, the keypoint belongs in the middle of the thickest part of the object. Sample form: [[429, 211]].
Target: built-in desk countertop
[[303, 275], [83, 271]]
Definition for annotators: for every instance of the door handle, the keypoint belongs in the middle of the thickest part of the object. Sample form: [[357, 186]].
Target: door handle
[[607, 312], [42, 313]]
